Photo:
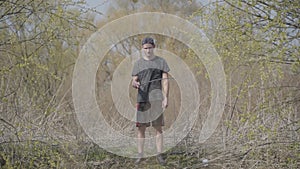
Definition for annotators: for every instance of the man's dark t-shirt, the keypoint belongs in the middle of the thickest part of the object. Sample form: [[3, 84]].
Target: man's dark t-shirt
[[149, 74]]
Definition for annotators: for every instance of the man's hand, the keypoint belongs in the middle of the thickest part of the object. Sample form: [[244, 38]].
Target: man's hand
[[135, 83], [165, 103]]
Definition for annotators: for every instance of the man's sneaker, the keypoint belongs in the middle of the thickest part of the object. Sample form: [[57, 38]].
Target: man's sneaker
[[160, 160], [139, 159]]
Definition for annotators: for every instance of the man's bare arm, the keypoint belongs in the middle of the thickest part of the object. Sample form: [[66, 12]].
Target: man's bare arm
[[165, 89]]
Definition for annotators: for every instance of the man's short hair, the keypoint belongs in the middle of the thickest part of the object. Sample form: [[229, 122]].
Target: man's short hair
[[148, 40]]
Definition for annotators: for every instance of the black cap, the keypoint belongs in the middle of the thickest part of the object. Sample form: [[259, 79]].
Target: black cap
[[148, 40]]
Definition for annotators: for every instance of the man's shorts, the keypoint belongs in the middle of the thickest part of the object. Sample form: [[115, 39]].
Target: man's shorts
[[149, 114]]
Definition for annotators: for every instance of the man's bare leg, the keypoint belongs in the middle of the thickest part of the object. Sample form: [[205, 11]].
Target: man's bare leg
[[159, 139], [141, 142], [141, 139], [159, 145]]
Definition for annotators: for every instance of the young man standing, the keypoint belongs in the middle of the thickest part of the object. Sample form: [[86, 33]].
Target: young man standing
[[150, 77]]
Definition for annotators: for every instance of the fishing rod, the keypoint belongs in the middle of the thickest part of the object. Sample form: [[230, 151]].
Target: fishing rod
[[157, 80]]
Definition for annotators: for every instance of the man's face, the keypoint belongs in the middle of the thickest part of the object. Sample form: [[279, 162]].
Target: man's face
[[148, 49]]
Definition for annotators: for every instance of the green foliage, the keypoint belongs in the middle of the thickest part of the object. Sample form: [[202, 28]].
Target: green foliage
[[32, 154], [258, 42], [38, 49]]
